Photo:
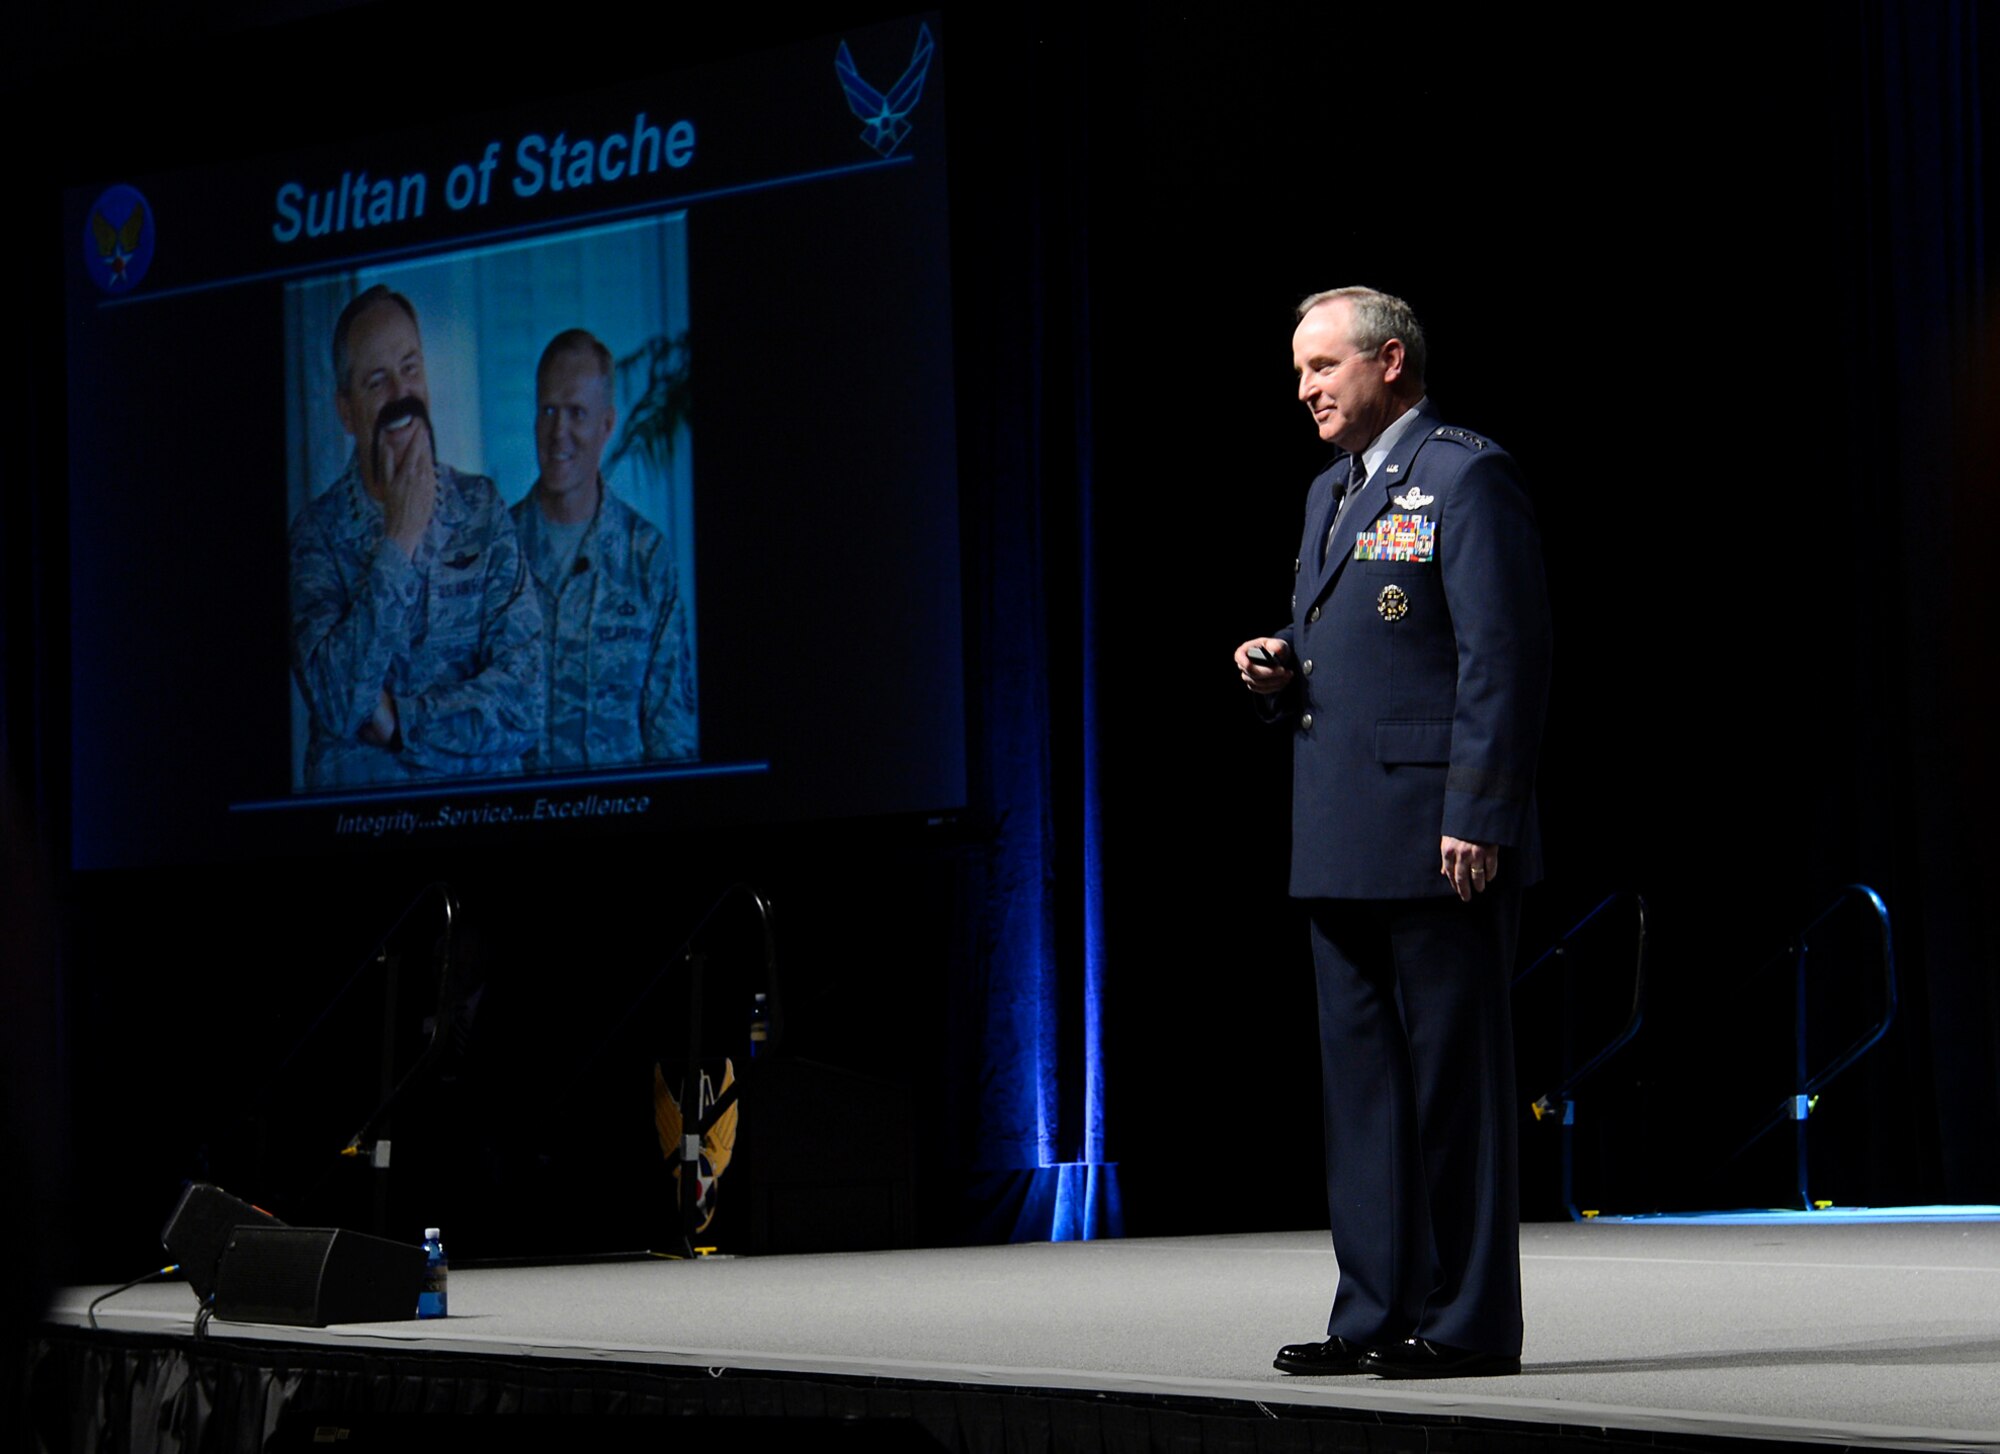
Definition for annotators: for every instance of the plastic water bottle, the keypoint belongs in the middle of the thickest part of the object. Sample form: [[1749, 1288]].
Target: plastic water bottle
[[431, 1301], [760, 1027]]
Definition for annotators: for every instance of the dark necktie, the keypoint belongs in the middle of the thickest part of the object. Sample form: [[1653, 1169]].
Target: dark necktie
[[1357, 476]]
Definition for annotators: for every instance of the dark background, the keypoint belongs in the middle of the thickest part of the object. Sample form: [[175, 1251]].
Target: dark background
[[1716, 278]]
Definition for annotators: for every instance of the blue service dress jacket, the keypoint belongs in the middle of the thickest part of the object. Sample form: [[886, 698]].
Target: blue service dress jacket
[[1420, 651]]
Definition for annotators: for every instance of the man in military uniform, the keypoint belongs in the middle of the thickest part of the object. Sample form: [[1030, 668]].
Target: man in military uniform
[[620, 680], [416, 637], [1414, 678]]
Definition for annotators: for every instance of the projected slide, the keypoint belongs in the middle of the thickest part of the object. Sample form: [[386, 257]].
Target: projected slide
[[587, 466], [546, 618]]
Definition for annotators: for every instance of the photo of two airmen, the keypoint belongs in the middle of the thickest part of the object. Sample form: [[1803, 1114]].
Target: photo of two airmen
[[435, 632]]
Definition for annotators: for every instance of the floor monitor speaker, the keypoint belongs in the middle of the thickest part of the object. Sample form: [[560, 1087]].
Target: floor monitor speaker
[[312, 1276]]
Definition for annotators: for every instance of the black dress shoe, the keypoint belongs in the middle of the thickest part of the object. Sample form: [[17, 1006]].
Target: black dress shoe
[[1421, 1358], [1335, 1355]]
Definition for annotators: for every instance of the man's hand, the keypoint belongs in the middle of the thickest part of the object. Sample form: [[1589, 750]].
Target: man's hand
[[409, 485], [380, 730], [1263, 680], [1469, 866]]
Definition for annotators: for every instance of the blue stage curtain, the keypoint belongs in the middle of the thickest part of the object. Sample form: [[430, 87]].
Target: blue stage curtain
[[1030, 982]]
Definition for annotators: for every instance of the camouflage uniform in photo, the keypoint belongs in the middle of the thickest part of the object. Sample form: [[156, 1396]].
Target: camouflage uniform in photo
[[620, 676], [454, 635]]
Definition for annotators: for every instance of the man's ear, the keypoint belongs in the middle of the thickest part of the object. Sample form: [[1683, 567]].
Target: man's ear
[[1393, 359], [345, 409]]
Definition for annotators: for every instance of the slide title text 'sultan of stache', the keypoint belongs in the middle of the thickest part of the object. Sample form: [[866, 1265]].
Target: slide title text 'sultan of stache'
[[559, 164]]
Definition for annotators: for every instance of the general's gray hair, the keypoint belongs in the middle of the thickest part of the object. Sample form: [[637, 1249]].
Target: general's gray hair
[[1377, 318]]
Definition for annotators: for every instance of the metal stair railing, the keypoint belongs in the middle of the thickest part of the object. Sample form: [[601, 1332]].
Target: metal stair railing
[[1798, 1107], [1558, 1106], [444, 1023], [443, 1031]]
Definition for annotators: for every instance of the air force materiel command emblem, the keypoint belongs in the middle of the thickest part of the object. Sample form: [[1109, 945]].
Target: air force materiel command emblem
[[118, 240], [1416, 499], [886, 115]]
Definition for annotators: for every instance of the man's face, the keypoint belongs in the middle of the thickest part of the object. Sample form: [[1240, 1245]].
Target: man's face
[[385, 394], [1347, 391], [573, 422]]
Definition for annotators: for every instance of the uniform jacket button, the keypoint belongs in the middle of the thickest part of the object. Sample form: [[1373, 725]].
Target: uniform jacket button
[[1307, 666], [1306, 722], [1312, 615]]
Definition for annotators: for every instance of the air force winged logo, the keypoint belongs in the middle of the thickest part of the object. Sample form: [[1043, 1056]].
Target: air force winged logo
[[886, 114], [118, 243]]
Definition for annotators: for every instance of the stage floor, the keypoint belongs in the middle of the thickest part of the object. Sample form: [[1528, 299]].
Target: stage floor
[[1852, 1334]]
